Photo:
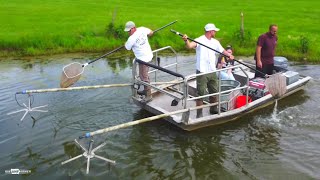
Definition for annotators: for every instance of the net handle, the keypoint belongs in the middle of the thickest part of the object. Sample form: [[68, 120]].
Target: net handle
[[86, 64], [219, 52]]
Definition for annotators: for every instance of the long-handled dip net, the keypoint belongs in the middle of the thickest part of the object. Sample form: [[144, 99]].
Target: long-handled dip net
[[276, 83], [72, 72]]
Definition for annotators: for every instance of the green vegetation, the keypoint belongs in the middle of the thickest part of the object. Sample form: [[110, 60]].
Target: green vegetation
[[37, 27]]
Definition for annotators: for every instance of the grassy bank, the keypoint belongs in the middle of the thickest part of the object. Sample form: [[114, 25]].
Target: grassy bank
[[46, 27]]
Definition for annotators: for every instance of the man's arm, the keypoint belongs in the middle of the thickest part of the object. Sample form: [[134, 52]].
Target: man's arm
[[230, 56], [150, 34], [128, 45], [189, 45], [258, 56]]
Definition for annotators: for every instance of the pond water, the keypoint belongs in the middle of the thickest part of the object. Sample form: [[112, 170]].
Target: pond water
[[262, 145]]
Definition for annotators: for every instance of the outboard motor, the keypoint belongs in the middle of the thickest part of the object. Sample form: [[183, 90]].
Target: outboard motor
[[280, 64]]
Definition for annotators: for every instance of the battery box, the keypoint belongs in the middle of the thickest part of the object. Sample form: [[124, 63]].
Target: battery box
[[291, 77]]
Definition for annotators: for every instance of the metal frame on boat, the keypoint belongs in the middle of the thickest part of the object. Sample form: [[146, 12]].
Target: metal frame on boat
[[179, 90]]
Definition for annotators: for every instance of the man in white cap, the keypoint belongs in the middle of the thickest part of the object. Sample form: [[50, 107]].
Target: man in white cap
[[206, 62], [138, 42]]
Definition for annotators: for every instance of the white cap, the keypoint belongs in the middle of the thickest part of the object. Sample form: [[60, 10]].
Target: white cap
[[129, 25], [211, 27]]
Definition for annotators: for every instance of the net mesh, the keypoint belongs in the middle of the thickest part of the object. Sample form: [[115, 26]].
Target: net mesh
[[276, 85], [71, 74]]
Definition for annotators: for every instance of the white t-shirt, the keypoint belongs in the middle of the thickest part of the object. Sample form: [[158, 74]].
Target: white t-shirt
[[139, 44], [206, 58]]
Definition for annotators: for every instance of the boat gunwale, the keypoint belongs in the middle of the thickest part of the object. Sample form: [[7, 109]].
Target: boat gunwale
[[227, 116]]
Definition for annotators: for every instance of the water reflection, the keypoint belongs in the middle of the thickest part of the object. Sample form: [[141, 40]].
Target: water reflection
[[197, 150], [265, 139], [30, 160], [118, 65], [164, 151], [296, 99], [71, 150], [27, 66]]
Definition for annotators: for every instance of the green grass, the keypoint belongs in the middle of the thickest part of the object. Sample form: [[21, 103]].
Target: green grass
[[37, 27]]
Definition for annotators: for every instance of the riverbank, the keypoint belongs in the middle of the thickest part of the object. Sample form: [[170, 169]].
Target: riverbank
[[54, 27]]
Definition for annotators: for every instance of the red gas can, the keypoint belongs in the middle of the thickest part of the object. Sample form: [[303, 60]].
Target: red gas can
[[241, 101]]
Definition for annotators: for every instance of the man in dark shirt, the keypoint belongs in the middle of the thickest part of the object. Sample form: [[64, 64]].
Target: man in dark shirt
[[265, 51]]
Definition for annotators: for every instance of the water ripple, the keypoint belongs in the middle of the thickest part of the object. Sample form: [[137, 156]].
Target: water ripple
[[279, 141]]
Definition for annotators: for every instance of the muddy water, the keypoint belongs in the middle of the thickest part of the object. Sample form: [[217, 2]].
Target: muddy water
[[279, 143]]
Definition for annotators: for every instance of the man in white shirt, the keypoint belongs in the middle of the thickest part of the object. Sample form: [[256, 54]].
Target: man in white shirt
[[138, 42], [206, 62]]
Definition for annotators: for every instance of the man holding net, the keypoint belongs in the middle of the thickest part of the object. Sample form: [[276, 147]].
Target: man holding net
[[206, 63], [138, 42]]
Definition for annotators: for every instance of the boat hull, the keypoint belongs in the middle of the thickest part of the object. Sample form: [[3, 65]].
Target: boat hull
[[188, 121]]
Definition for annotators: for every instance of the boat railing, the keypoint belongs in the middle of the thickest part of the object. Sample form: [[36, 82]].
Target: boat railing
[[158, 60], [157, 68], [184, 95], [219, 93]]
